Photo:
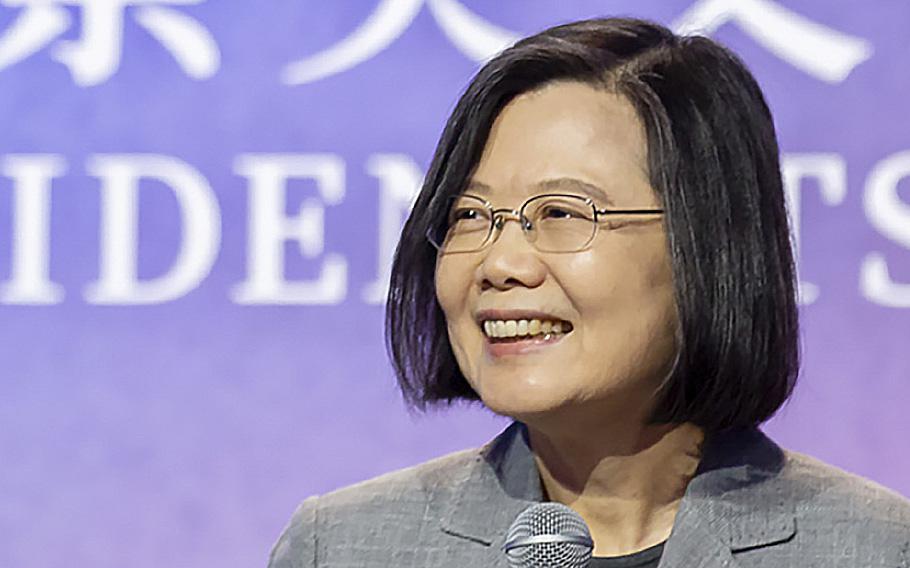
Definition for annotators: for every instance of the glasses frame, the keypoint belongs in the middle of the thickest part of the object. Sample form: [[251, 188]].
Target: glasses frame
[[498, 217]]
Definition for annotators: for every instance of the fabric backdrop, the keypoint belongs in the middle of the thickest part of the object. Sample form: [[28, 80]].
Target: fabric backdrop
[[199, 201]]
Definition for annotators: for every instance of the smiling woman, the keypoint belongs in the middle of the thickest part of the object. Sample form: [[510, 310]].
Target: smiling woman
[[608, 290], [638, 322]]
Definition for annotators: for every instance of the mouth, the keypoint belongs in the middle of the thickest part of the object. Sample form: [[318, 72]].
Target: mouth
[[524, 330]]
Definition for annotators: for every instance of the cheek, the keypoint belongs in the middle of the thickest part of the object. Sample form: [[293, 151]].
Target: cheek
[[454, 281], [625, 299], [654, 321], [451, 288]]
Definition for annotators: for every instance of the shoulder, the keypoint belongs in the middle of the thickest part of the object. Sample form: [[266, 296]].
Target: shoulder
[[749, 472], [823, 491], [395, 502], [413, 485], [775, 507], [839, 515]]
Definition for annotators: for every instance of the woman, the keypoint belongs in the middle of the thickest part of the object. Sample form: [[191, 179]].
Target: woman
[[637, 320]]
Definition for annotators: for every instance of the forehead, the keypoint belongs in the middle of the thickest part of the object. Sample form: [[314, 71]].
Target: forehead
[[566, 136]]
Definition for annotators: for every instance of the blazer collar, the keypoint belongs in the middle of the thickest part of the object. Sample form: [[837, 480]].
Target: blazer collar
[[736, 501], [501, 483]]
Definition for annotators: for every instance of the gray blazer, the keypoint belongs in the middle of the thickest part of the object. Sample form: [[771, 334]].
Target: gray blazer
[[750, 504]]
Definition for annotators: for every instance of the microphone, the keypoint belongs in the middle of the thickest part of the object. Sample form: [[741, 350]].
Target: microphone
[[549, 535]]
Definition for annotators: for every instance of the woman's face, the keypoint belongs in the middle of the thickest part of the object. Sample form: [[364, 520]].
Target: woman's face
[[615, 296]]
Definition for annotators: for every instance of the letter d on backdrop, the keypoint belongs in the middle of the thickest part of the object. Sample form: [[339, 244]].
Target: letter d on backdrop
[[118, 282]]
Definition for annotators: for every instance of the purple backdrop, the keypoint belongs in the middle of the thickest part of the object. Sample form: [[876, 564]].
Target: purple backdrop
[[198, 203]]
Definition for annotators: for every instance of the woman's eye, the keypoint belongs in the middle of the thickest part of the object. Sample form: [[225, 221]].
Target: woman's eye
[[465, 215], [468, 215], [558, 213]]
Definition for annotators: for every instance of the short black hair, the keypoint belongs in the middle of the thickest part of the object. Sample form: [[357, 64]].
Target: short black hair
[[713, 162]]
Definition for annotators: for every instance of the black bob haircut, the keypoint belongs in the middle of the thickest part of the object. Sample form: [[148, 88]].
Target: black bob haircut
[[713, 162]]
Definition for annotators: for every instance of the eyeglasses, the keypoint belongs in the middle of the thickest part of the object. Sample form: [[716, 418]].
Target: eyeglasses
[[550, 222]]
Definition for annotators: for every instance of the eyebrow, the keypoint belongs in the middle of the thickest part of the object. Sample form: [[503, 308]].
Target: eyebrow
[[555, 184]]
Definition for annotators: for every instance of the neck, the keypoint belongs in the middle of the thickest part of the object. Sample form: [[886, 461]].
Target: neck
[[627, 483]]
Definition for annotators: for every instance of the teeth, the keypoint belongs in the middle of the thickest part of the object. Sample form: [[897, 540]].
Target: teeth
[[520, 328]]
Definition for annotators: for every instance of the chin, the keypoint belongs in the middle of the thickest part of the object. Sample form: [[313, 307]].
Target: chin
[[525, 402], [554, 405]]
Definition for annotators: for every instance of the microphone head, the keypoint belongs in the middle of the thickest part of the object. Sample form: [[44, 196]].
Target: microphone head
[[548, 535]]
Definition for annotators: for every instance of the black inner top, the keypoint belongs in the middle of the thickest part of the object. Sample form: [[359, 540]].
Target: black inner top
[[647, 558]]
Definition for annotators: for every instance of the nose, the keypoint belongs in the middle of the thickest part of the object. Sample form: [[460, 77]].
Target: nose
[[510, 260]]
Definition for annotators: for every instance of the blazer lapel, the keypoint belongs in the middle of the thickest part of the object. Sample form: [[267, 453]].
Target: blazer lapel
[[735, 502], [501, 483]]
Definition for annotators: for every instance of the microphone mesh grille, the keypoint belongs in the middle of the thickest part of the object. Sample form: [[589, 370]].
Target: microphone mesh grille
[[570, 545]]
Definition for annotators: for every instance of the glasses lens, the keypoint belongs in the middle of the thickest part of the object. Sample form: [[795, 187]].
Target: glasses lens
[[560, 223], [467, 225]]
